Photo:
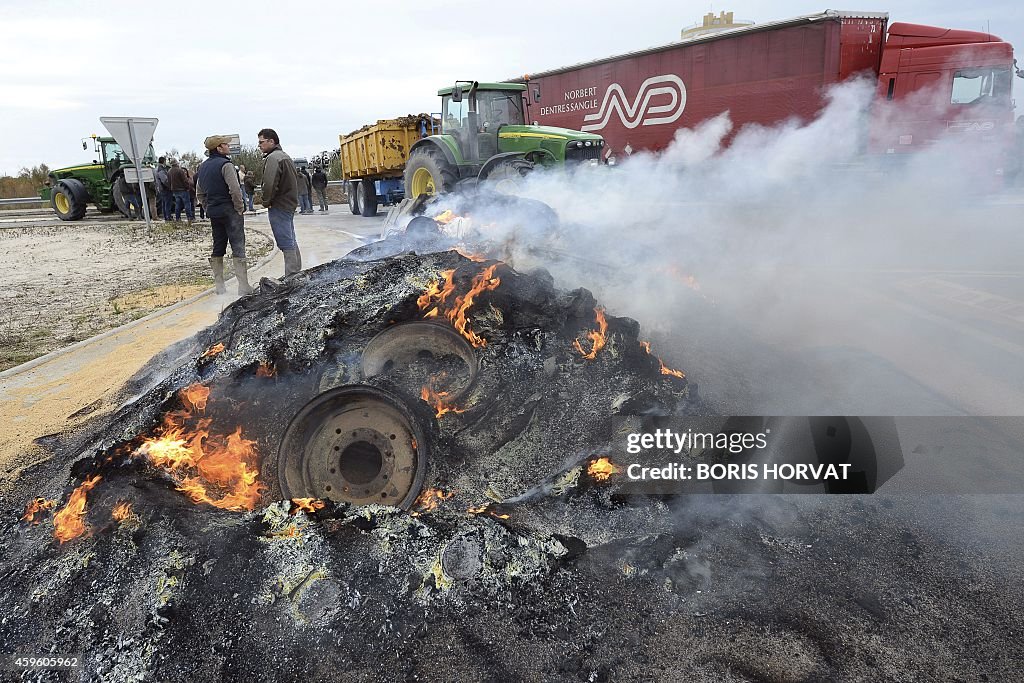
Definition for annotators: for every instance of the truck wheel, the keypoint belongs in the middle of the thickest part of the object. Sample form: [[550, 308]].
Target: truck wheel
[[427, 172], [69, 199], [507, 177], [367, 198], [353, 197]]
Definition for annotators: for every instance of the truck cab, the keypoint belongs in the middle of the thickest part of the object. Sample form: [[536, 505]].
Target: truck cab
[[937, 84]]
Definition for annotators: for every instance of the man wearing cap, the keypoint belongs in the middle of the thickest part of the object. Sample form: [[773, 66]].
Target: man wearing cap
[[280, 196], [217, 189]]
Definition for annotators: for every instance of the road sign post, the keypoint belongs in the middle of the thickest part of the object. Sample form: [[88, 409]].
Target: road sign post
[[134, 134]]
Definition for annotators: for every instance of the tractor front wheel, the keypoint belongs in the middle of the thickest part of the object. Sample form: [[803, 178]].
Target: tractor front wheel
[[429, 173], [507, 176], [68, 199]]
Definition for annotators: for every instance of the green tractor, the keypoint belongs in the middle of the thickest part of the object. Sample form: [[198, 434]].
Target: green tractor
[[484, 136], [69, 190]]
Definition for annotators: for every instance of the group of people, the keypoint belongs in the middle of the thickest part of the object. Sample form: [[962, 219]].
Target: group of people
[[308, 183], [224, 192], [222, 189]]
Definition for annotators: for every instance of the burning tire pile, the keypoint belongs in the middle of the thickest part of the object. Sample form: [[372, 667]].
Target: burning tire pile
[[434, 431]]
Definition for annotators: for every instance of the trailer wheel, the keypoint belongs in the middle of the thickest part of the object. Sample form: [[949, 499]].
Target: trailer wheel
[[427, 172], [353, 196], [367, 198], [69, 199]]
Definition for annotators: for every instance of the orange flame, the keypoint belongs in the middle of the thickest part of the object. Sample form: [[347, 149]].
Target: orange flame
[[445, 217], [195, 396], [307, 505], [602, 469], [121, 511], [435, 292], [436, 399], [208, 468], [483, 281], [487, 509], [37, 507], [472, 257], [266, 369], [69, 523], [213, 350], [665, 370], [429, 500], [597, 337]]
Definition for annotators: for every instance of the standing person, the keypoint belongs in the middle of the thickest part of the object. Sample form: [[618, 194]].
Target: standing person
[[177, 183], [305, 190], [218, 190], [191, 175], [320, 185], [280, 196], [163, 194], [240, 169], [249, 183]]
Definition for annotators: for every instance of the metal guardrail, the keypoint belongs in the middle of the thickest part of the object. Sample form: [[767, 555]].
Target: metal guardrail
[[23, 200]]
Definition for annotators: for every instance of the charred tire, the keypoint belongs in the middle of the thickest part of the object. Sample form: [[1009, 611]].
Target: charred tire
[[367, 198], [69, 199], [404, 343], [355, 444], [353, 196], [429, 173], [507, 176]]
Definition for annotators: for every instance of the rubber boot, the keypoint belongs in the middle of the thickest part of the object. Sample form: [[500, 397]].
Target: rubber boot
[[292, 261], [242, 275], [217, 263]]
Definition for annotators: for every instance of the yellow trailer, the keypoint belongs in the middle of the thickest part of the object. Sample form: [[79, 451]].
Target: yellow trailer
[[373, 160]]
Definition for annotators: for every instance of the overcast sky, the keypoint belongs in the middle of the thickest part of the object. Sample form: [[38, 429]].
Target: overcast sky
[[313, 70]]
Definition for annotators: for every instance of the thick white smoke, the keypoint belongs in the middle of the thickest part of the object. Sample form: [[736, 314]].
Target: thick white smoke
[[790, 272]]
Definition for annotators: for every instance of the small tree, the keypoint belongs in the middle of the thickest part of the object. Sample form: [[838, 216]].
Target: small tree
[[252, 158], [334, 170], [191, 160]]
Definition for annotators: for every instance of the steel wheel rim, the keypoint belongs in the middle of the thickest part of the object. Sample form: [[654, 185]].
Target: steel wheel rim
[[354, 444], [422, 182]]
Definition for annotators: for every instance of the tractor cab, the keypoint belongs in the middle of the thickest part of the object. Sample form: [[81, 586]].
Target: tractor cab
[[474, 113], [113, 157]]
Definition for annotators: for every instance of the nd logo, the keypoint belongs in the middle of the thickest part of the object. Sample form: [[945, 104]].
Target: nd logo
[[640, 112]]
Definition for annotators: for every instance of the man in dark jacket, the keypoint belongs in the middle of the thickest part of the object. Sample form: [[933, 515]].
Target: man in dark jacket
[[280, 196], [163, 195], [177, 183], [320, 185], [217, 189], [305, 190]]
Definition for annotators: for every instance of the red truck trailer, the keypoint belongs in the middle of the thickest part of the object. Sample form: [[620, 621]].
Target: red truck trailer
[[931, 82]]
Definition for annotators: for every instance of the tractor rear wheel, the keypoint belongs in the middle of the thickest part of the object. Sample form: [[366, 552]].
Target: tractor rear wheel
[[429, 173], [353, 196], [68, 199], [367, 198]]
